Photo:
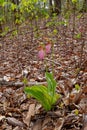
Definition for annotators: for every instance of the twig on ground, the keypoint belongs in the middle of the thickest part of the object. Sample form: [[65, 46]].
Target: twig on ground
[[56, 63]]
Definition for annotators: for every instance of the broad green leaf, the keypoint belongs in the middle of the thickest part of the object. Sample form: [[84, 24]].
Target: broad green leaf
[[51, 84], [51, 87], [40, 93]]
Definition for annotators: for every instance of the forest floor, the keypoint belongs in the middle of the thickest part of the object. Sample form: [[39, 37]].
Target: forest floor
[[18, 58]]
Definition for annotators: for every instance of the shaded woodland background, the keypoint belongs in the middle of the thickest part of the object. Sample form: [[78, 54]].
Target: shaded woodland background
[[24, 26], [15, 12]]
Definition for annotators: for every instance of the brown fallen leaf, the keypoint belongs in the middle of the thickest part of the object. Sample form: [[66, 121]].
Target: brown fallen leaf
[[30, 113], [75, 96], [14, 122], [37, 125], [84, 122], [85, 128], [17, 128], [2, 117], [59, 124], [83, 105], [85, 89], [45, 122]]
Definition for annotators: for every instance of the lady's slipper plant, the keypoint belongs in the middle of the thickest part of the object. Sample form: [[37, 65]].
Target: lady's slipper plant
[[47, 96]]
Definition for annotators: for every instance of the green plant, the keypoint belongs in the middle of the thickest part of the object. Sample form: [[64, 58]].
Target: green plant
[[77, 87], [47, 96], [78, 36], [74, 1], [76, 112]]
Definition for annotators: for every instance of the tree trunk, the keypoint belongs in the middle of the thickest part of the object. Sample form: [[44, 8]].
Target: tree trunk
[[50, 7], [68, 4], [0, 21], [15, 2], [16, 11], [57, 4], [85, 6]]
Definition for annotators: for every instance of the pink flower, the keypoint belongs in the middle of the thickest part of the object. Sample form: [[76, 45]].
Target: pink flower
[[48, 48], [41, 54]]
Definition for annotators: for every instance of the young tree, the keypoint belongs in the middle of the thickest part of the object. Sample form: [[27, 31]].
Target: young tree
[[50, 6], [16, 10], [85, 6], [0, 20], [0, 28], [57, 5], [68, 4], [15, 2]]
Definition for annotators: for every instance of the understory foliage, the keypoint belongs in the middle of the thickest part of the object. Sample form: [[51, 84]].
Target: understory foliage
[[14, 13]]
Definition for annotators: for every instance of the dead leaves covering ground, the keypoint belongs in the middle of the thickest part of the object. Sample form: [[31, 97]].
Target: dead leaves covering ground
[[18, 57]]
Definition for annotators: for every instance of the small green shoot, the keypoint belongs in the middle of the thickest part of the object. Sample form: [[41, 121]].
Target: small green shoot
[[55, 31], [14, 33], [77, 87], [76, 112], [25, 81], [47, 96], [78, 36]]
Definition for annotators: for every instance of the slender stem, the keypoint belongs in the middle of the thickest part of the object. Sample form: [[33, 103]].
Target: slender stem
[[82, 48], [45, 62], [74, 11], [53, 58]]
